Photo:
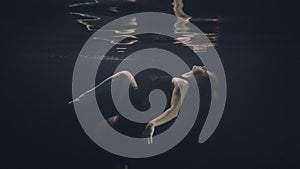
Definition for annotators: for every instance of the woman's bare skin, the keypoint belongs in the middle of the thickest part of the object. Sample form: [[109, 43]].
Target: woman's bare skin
[[180, 89]]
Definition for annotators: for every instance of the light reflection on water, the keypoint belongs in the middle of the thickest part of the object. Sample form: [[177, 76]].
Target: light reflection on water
[[93, 21], [87, 20], [94, 2]]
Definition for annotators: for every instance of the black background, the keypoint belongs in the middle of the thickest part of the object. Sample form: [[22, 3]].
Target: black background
[[258, 46]]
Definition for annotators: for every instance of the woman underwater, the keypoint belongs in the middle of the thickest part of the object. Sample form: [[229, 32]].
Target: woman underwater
[[179, 86]]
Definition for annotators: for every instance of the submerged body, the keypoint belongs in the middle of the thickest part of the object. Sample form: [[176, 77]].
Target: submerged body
[[180, 88]]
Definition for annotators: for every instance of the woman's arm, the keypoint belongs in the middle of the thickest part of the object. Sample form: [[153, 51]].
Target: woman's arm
[[178, 94]]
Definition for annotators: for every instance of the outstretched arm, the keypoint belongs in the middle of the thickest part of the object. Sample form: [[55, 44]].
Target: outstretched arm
[[123, 75], [178, 94]]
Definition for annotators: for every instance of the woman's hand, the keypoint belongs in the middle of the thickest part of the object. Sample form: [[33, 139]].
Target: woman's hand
[[149, 130]]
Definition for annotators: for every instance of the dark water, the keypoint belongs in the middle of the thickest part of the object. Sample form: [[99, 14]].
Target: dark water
[[257, 42]]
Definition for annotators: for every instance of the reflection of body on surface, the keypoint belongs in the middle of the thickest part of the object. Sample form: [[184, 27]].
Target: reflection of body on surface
[[180, 87], [93, 20]]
